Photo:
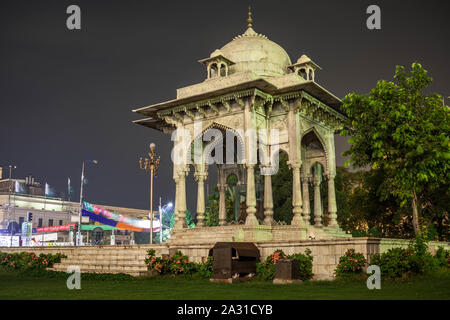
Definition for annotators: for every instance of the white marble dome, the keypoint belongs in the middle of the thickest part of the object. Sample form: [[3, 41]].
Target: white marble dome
[[255, 52]]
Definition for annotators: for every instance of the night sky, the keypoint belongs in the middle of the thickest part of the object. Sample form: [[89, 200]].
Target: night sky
[[66, 96]]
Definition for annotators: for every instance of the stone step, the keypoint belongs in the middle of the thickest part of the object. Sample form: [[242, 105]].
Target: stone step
[[104, 262], [103, 268], [90, 270], [94, 256], [111, 257], [111, 252]]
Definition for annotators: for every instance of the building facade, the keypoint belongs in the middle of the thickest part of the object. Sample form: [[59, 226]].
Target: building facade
[[18, 197]]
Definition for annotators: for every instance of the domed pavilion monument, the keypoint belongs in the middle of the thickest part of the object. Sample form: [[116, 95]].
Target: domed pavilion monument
[[253, 104]]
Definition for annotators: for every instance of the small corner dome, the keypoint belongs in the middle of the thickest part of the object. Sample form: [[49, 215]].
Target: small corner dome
[[303, 59], [216, 53], [255, 52]]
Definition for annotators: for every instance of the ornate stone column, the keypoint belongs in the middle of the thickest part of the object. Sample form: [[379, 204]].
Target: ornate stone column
[[200, 177], [180, 203], [177, 201], [306, 210], [251, 196], [268, 200], [222, 205], [297, 219], [317, 199], [332, 209]]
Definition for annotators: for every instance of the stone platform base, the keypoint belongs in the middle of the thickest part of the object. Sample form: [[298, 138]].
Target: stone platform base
[[259, 233]]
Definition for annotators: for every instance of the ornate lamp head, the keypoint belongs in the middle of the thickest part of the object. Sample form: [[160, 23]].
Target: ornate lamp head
[[152, 162]]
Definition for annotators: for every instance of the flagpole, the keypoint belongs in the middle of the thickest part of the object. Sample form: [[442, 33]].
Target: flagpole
[[78, 242], [68, 189], [160, 221]]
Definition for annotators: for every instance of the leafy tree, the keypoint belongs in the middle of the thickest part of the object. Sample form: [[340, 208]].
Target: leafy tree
[[375, 215], [212, 209], [401, 129]]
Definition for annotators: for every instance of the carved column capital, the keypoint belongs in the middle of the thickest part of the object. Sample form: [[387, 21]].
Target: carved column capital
[[250, 165], [306, 179], [200, 176], [266, 170], [294, 164], [183, 172]]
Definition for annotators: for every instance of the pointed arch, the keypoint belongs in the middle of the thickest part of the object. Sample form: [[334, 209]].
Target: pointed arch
[[238, 141], [310, 137]]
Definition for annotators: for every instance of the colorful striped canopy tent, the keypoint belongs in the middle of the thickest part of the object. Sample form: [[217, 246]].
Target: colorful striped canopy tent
[[109, 218]]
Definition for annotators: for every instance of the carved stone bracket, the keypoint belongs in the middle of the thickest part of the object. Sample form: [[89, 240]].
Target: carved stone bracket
[[201, 111], [285, 104], [170, 120], [178, 116], [214, 108], [227, 105], [189, 113], [240, 102]]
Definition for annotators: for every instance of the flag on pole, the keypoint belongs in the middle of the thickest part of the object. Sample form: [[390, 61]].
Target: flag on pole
[[18, 187], [49, 191], [69, 189]]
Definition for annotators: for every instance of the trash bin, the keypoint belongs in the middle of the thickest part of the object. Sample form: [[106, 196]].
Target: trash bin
[[234, 261]]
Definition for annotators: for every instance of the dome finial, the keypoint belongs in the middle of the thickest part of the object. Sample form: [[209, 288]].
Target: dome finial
[[249, 20]]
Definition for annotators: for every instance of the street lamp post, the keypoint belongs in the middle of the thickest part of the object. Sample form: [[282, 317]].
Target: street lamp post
[[151, 163], [78, 240]]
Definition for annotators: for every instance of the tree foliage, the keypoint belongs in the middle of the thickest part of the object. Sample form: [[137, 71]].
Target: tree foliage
[[282, 191], [404, 131], [212, 207]]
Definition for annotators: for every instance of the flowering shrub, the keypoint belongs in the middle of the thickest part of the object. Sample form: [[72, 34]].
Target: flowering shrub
[[395, 262], [266, 269], [28, 260], [177, 264], [350, 264], [400, 262], [305, 264], [205, 268], [416, 259]]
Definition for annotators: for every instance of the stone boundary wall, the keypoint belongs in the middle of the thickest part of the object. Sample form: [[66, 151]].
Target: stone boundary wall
[[71, 251], [326, 253]]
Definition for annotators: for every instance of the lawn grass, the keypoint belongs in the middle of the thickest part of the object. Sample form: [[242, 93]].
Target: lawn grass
[[17, 286]]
